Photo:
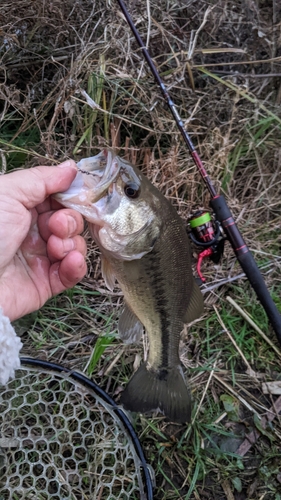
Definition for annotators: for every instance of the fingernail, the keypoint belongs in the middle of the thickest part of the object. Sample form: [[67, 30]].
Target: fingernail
[[68, 245], [72, 225], [66, 163]]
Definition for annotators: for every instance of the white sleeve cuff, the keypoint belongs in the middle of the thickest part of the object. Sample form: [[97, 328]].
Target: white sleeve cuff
[[10, 346]]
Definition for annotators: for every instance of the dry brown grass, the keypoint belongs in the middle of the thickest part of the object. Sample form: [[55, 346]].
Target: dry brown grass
[[50, 52]]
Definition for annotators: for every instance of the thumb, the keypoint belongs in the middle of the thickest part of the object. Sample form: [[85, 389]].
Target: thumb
[[32, 186]]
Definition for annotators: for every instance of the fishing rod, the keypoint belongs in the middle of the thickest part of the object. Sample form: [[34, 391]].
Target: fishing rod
[[217, 202]]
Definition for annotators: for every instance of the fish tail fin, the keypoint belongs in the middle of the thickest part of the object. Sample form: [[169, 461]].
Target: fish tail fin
[[165, 390]]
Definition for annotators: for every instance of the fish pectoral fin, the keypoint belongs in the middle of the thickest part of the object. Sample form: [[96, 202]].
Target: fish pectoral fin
[[148, 390], [107, 273], [130, 329], [195, 306]]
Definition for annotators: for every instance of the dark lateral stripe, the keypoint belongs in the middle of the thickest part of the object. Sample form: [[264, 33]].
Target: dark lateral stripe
[[158, 286]]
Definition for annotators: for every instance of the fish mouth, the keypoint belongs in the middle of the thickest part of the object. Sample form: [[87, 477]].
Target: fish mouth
[[103, 168], [94, 177]]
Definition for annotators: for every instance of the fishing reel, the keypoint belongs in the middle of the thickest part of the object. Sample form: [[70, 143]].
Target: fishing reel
[[206, 233]]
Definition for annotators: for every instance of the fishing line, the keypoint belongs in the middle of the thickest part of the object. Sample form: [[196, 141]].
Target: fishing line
[[217, 202]]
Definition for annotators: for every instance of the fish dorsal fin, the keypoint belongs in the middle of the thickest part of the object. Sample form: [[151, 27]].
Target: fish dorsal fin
[[195, 306], [130, 329], [107, 273]]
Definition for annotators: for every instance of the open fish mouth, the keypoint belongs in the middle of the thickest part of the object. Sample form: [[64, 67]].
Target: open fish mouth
[[103, 167], [94, 177]]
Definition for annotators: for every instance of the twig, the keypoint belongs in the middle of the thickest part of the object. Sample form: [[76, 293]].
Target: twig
[[4, 162], [261, 252], [204, 392], [193, 42], [205, 289], [253, 324], [250, 371], [248, 75], [232, 63], [148, 23], [34, 62], [227, 490], [273, 387], [147, 38], [220, 418], [232, 391], [113, 363]]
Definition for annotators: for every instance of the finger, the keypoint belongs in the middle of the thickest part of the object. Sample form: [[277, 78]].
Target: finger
[[64, 223], [68, 272], [58, 248], [48, 204], [32, 186]]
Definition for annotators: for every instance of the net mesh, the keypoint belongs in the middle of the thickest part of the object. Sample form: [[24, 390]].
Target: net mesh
[[59, 441]]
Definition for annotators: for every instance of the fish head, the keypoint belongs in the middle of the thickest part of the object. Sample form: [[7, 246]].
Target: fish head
[[119, 203]]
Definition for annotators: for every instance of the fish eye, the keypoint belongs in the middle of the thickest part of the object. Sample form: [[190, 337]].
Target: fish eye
[[132, 190]]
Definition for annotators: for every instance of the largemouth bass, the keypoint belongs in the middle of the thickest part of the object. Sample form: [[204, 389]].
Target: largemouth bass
[[144, 246]]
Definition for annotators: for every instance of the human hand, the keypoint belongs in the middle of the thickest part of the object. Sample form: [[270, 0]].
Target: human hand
[[41, 252]]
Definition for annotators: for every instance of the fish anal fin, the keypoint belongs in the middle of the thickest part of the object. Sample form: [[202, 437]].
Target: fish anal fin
[[148, 390], [196, 305], [108, 274], [130, 329]]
